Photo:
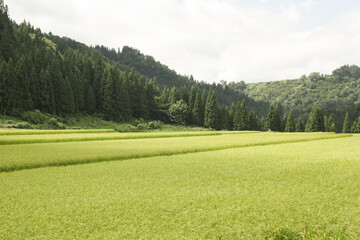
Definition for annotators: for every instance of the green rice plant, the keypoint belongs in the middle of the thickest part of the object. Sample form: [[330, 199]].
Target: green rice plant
[[77, 137], [302, 190], [17, 157]]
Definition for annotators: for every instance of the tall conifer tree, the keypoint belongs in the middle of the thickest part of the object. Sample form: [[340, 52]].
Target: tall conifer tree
[[90, 100], [269, 124], [174, 96], [12, 87], [290, 123], [237, 117], [277, 120], [202, 111], [23, 88], [315, 122], [164, 97], [273, 121], [210, 110], [191, 104], [97, 83], [3, 87], [253, 121], [354, 127], [34, 83], [231, 117], [243, 123], [283, 123], [184, 94], [197, 109], [347, 125], [108, 103], [300, 126], [126, 112]]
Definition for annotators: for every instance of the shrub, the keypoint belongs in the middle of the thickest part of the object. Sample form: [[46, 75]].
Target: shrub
[[22, 125], [35, 117], [155, 125], [125, 128], [178, 112], [141, 126], [53, 123]]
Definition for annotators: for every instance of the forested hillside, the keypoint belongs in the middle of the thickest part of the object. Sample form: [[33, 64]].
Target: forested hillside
[[35, 74], [337, 93], [63, 77]]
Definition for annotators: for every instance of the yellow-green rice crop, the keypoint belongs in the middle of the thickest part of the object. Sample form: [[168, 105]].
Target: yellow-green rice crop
[[303, 190], [88, 136], [77, 137], [21, 156]]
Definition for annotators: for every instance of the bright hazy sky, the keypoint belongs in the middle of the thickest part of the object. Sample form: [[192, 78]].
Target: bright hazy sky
[[233, 40]]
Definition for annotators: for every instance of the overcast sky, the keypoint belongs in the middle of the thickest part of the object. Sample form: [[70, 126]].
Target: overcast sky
[[233, 40]]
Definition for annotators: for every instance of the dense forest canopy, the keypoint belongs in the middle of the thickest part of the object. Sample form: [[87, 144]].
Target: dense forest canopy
[[337, 90], [336, 93]]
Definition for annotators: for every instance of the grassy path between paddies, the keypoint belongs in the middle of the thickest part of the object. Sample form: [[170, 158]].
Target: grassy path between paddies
[[5, 131], [80, 137], [305, 190], [27, 156]]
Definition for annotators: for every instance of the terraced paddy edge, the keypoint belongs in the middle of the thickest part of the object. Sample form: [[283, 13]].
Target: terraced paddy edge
[[19, 157], [78, 137], [305, 190], [37, 132]]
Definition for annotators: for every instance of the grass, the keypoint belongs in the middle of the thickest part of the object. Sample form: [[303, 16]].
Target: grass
[[21, 156], [42, 132], [37, 120], [303, 190]]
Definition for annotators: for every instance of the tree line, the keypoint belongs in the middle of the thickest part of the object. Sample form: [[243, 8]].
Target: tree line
[[317, 122], [203, 110]]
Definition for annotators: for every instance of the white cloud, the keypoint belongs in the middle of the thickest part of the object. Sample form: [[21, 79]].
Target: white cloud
[[291, 12], [308, 5], [212, 39]]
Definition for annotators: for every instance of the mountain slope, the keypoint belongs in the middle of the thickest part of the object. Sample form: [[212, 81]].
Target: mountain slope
[[166, 77]]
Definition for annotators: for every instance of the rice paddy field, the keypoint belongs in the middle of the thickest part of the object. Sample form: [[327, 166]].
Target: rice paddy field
[[198, 185]]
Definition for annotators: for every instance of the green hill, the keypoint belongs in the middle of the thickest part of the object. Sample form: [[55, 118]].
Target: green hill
[[336, 93]]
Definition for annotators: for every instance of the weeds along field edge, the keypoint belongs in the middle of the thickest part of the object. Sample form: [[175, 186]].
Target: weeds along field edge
[[38, 132], [79, 137], [19, 157], [303, 190]]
